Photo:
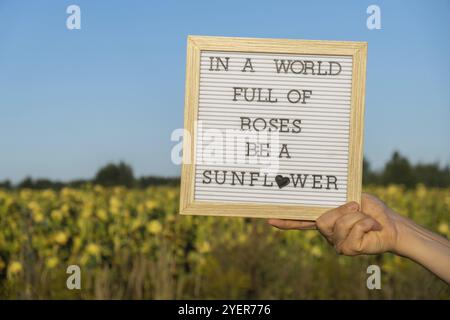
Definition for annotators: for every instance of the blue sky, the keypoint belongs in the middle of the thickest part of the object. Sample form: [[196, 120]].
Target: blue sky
[[73, 100]]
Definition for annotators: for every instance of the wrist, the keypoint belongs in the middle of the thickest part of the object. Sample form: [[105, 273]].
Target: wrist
[[413, 240], [407, 240], [424, 247]]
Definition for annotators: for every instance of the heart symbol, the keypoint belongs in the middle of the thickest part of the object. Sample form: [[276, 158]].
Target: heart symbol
[[282, 181]]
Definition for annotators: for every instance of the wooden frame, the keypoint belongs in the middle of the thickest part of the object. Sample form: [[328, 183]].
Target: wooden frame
[[196, 44]]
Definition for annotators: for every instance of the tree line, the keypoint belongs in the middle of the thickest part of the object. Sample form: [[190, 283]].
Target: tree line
[[111, 175], [398, 170]]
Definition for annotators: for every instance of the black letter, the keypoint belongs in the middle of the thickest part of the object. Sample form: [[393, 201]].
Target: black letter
[[253, 179], [296, 123], [315, 181], [289, 96], [247, 124], [271, 122], [306, 96], [235, 92], [259, 119], [284, 147], [292, 65], [253, 149], [319, 73], [332, 182], [282, 65], [206, 176], [299, 177], [225, 66], [331, 67], [265, 182], [283, 125], [224, 176], [311, 67], [245, 94], [234, 174], [261, 150], [248, 64]]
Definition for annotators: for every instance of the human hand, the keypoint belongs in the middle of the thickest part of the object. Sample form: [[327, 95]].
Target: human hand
[[352, 229], [374, 228]]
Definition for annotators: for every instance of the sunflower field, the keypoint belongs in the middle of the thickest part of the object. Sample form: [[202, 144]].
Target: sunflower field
[[133, 244]]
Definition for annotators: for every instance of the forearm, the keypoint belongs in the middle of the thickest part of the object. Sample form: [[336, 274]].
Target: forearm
[[425, 248]]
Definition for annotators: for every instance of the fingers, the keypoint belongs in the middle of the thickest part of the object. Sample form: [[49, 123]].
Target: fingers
[[361, 228], [344, 224], [344, 227], [292, 224], [355, 244], [325, 223]]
